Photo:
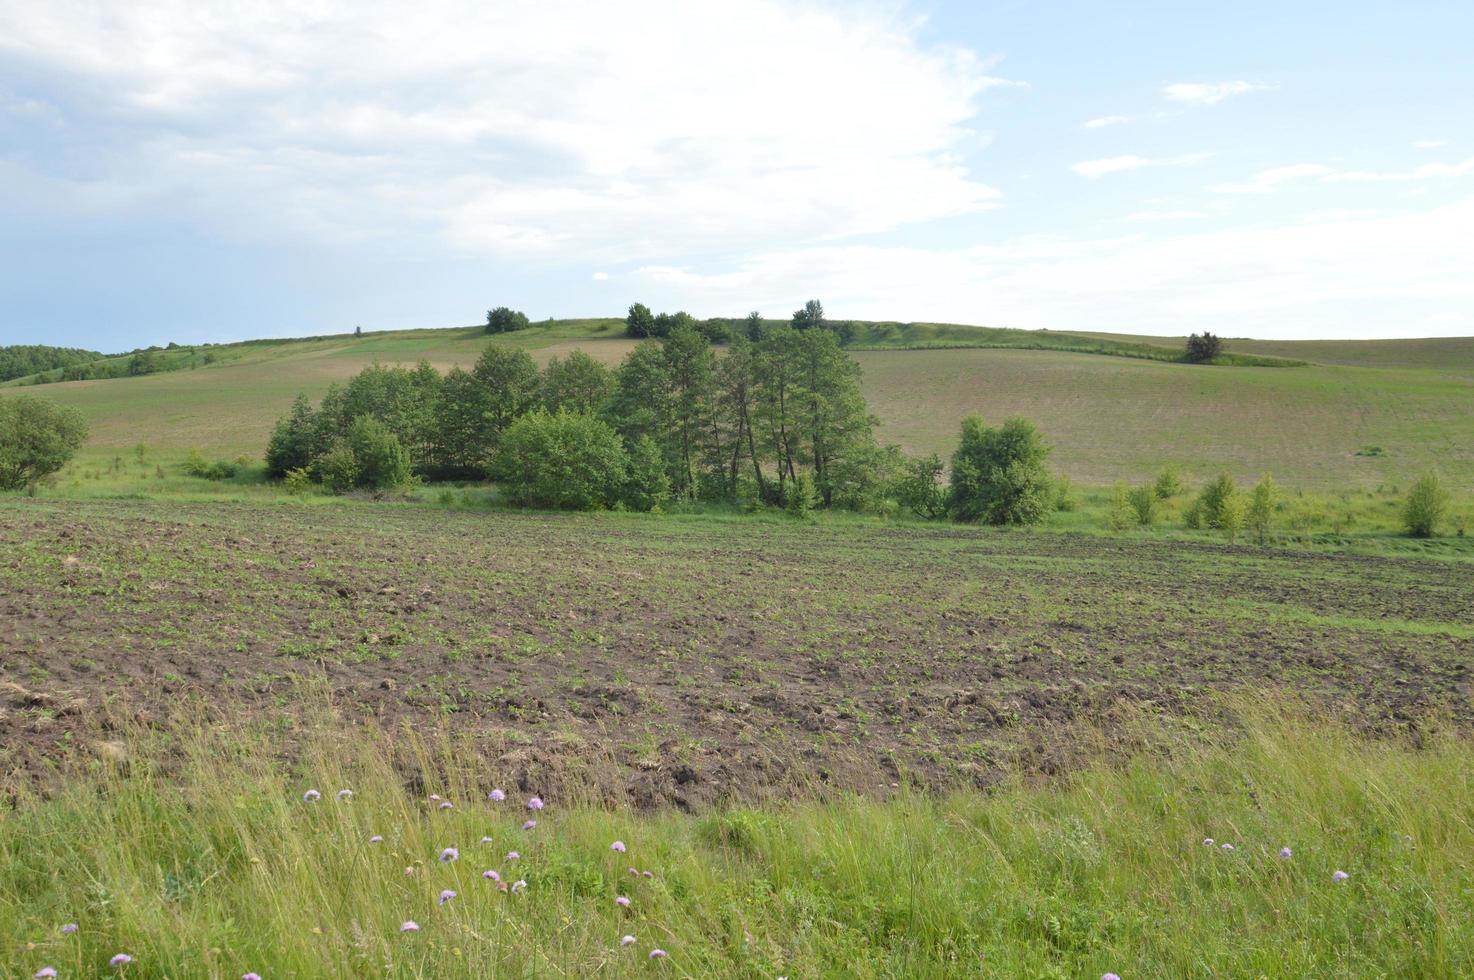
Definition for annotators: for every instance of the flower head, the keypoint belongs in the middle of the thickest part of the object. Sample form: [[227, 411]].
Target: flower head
[[434, 797], [635, 872], [535, 803], [45, 971], [376, 839], [496, 796], [410, 926], [250, 976], [409, 871], [1286, 854], [622, 901], [519, 885], [617, 846], [1339, 876], [647, 874], [1110, 976], [1227, 847], [656, 954], [311, 796], [484, 840], [344, 794], [1207, 842], [446, 896], [529, 825], [449, 854], [69, 928], [513, 856], [446, 805], [627, 941], [121, 959], [491, 876]]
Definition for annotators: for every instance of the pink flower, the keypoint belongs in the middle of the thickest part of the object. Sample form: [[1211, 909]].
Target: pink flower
[[484, 840], [45, 971], [446, 896], [513, 856], [311, 796], [410, 926], [491, 876], [1207, 842], [656, 954], [535, 803], [529, 825], [617, 846], [519, 885], [1339, 876], [449, 854], [445, 805], [622, 901], [627, 941], [344, 794], [376, 839], [121, 959], [1286, 854], [69, 928], [496, 796]]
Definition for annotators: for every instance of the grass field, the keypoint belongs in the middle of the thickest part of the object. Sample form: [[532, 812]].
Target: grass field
[[1399, 411]]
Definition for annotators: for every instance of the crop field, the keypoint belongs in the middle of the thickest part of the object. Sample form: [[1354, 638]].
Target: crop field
[[1324, 425]]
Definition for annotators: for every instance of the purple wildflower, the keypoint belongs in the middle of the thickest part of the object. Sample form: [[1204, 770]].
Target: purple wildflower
[[311, 796], [45, 971], [376, 839], [1110, 976], [536, 803], [69, 928], [344, 794], [434, 797], [250, 976], [519, 885], [1286, 854], [627, 941], [1207, 842], [656, 954], [484, 840], [446, 805], [1228, 847], [622, 901], [449, 854], [496, 796], [529, 825], [617, 846], [647, 874], [446, 896], [513, 856], [492, 875], [121, 959], [635, 872], [1340, 876], [410, 926]]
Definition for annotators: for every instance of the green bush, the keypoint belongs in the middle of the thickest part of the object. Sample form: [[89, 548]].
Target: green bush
[[648, 485], [1208, 509], [1262, 504], [919, 488], [1065, 498], [998, 475], [196, 465], [37, 438], [1232, 513], [504, 319], [297, 482], [1426, 506], [1119, 517], [1143, 502], [800, 498], [338, 469], [1169, 483], [567, 461], [381, 460]]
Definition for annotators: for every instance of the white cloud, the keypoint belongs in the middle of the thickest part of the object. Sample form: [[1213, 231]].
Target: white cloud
[[1426, 172], [559, 128], [601, 277], [1343, 277], [1130, 161], [1208, 93], [1181, 215], [1101, 122], [1429, 144], [1269, 181]]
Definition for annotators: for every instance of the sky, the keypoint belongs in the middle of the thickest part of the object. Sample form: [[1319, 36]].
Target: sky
[[211, 170]]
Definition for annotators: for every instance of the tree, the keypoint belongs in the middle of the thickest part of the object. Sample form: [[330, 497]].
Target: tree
[[736, 400], [810, 317], [639, 323], [668, 323], [691, 370], [504, 319], [1169, 483], [1143, 502], [293, 440], [1202, 349], [648, 485], [358, 331], [1119, 518], [466, 426], [144, 362], [1262, 503], [382, 462], [1231, 515], [753, 326], [578, 383], [777, 397], [1208, 508], [1426, 506], [998, 475], [919, 489], [835, 423], [513, 386], [567, 461], [37, 438]]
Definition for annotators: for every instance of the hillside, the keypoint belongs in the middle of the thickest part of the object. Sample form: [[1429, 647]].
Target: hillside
[[1364, 414]]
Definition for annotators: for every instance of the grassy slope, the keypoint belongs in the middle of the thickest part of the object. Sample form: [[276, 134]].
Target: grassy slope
[[1108, 417], [215, 867]]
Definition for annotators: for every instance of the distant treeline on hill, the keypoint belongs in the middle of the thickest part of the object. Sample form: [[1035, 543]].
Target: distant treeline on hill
[[94, 366], [20, 360]]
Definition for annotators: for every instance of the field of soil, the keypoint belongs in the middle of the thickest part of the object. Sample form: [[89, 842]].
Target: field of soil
[[685, 661]]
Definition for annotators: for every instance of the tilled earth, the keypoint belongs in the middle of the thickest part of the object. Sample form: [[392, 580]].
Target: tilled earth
[[670, 660]]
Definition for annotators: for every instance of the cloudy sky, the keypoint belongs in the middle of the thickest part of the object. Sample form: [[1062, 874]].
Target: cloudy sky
[[195, 170]]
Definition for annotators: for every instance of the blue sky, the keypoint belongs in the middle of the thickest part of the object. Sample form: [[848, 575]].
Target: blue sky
[[203, 170]]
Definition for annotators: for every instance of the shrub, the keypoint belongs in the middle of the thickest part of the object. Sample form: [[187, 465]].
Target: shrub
[[640, 323], [297, 482], [1119, 517], [799, 496], [1143, 502], [292, 440], [381, 460], [338, 469], [1208, 508], [567, 461], [919, 488], [1202, 349], [648, 485], [195, 464], [1262, 503], [1065, 498], [37, 438], [1169, 483], [504, 319], [998, 474], [1427, 503], [1231, 515]]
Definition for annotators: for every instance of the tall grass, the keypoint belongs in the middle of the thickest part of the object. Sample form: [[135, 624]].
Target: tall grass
[[200, 858]]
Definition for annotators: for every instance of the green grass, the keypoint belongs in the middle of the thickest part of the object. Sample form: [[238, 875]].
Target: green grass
[[199, 858]]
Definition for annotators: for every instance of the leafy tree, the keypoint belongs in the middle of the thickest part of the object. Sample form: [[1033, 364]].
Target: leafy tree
[[919, 489], [1143, 502], [20, 360], [1427, 504], [640, 323], [736, 398], [753, 326], [648, 485], [144, 362], [1119, 517], [998, 475], [578, 383], [37, 438], [1168, 484], [382, 462], [465, 427], [1262, 503], [513, 387], [567, 461], [293, 443], [777, 377], [1232, 513], [403, 399], [337, 469], [801, 496], [668, 323], [691, 372], [834, 421], [641, 403], [1211, 501], [810, 317], [504, 319], [1202, 349]]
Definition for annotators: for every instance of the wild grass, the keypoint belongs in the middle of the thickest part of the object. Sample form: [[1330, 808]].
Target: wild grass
[[198, 856]]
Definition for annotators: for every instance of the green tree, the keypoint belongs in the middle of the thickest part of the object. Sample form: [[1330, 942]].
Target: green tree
[[639, 323], [1232, 513], [382, 462], [1202, 349], [834, 421], [919, 489], [1119, 518], [736, 402], [466, 427], [810, 317], [37, 438], [513, 386], [778, 400], [691, 373], [504, 319], [578, 383], [567, 461], [1168, 484], [293, 441], [1210, 503], [1262, 503], [1143, 502], [648, 485], [753, 326], [1426, 506], [998, 475]]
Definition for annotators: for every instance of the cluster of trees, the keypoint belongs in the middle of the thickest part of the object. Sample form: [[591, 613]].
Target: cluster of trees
[[641, 323], [37, 438], [504, 319], [1202, 348], [20, 360]]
